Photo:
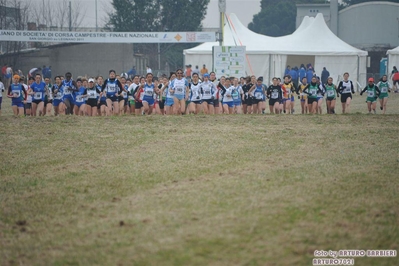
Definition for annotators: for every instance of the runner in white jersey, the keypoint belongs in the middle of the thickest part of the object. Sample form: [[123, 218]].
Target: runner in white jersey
[[29, 99], [228, 102], [195, 95], [345, 88], [208, 94], [131, 90], [179, 89]]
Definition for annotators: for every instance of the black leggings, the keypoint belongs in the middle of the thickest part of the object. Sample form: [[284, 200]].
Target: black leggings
[[69, 107]]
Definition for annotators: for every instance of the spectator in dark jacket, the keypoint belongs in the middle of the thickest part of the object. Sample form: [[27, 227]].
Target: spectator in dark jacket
[[324, 75]]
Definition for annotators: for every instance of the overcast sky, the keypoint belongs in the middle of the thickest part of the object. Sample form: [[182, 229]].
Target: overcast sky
[[244, 9]]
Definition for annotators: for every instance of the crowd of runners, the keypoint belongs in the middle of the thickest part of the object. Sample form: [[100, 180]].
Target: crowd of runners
[[179, 95]]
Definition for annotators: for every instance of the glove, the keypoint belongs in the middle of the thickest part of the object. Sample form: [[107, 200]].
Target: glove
[[213, 98], [361, 93], [197, 98], [299, 97]]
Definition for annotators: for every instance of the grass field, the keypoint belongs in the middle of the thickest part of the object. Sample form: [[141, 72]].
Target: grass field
[[198, 190]]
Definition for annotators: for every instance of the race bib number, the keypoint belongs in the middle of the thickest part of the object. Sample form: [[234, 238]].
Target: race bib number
[[258, 95], [79, 98], [66, 90], [111, 89], [313, 91], [207, 93], [149, 93], [274, 95], [124, 94], [347, 90], [384, 90], [330, 93], [370, 94], [92, 95], [58, 96], [179, 90], [37, 96], [16, 94]]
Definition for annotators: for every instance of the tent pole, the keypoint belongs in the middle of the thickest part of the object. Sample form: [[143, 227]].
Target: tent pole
[[358, 71], [221, 40]]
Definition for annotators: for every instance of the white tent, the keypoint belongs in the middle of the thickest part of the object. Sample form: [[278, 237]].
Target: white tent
[[313, 42], [393, 59]]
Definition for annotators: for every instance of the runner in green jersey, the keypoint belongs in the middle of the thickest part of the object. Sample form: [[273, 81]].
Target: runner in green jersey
[[331, 92], [312, 91], [372, 94], [384, 87]]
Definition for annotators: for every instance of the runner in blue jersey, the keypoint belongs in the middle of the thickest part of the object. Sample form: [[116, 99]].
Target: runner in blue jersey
[[18, 95], [39, 89], [149, 89], [80, 98], [112, 87], [68, 86], [237, 94], [169, 99], [195, 95], [258, 92], [58, 102], [179, 89]]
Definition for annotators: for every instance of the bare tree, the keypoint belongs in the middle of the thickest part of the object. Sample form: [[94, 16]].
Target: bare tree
[[56, 14], [13, 15]]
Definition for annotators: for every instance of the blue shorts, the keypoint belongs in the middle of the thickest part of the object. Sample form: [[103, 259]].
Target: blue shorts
[[19, 104], [179, 96], [237, 102], [292, 98], [169, 102], [57, 102], [229, 104], [79, 104], [148, 99], [68, 97], [319, 97], [7, 76]]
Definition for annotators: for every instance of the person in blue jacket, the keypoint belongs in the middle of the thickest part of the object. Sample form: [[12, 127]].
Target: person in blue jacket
[[302, 72], [309, 73]]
